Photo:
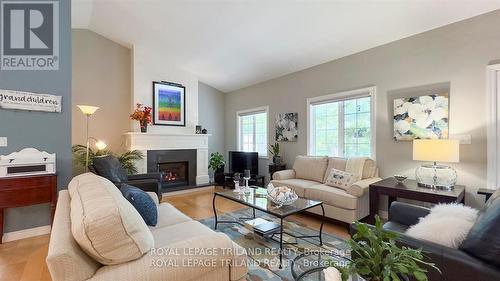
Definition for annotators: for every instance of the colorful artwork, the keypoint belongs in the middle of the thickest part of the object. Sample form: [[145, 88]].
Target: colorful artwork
[[286, 126], [424, 117], [169, 104]]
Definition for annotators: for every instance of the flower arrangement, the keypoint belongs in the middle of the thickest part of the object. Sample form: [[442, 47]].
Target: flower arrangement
[[143, 115]]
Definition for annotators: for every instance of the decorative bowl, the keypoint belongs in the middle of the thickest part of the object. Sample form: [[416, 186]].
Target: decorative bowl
[[281, 195], [400, 178]]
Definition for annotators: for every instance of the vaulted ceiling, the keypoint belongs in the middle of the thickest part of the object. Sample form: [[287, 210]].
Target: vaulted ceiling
[[230, 44]]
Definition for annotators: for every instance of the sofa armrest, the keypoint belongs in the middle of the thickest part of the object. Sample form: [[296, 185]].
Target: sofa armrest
[[284, 175], [148, 176], [154, 197], [148, 185], [360, 187], [185, 260], [406, 214]]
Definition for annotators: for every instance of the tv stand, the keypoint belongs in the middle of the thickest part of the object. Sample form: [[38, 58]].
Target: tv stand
[[258, 180]]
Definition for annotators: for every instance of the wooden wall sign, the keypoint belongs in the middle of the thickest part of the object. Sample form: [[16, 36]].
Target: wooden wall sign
[[29, 101]]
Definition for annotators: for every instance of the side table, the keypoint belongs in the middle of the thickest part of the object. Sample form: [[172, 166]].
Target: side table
[[25, 191], [409, 189], [486, 192], [273, 168]]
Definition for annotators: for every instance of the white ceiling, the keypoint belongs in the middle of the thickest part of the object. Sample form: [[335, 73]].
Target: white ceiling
[[230, 44]]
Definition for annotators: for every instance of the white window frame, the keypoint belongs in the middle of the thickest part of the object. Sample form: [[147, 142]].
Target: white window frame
[[250, 111], [340, 96], [493, 125]]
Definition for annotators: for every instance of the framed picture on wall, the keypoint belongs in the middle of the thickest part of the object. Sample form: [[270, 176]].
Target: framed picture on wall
[[421, 117], [169, 104]]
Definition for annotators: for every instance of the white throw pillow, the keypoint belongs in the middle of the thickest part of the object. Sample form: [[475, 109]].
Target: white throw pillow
[[447, 225], [341, 179]]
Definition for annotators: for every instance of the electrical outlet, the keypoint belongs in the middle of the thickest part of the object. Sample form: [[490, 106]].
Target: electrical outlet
[[3, 141]]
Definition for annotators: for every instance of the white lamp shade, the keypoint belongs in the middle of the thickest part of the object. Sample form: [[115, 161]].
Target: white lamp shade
[[100, 145], [88, 109], [436, 150]]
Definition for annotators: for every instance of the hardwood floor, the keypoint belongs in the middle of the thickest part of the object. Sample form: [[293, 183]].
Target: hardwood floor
[[24, 260]]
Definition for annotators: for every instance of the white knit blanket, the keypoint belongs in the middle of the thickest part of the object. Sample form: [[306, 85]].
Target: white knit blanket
[[355, 165]]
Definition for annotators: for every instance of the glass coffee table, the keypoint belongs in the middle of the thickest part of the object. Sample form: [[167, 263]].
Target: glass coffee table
[[257, 200]]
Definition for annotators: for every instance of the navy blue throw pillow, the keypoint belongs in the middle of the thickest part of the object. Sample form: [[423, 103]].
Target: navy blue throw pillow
[[142, 202]]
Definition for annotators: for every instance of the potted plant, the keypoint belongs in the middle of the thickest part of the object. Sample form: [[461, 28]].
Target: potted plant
[[127, 159], [275, 151], [143, 115], [217, 163], [376, 257]]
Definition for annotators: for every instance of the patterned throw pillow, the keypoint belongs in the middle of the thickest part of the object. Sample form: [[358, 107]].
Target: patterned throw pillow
[[341, 179]]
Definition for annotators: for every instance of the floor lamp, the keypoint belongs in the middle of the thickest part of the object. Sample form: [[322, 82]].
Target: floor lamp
[[88, 110]]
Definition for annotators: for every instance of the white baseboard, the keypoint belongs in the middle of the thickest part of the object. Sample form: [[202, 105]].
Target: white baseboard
[[25, 233]]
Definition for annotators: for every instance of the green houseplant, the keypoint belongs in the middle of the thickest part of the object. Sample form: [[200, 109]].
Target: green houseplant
[[376, 257], [274, 149], [127, 159], [216, 163]]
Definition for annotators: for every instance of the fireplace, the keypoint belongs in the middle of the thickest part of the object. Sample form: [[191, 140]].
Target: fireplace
[[175, 173], [178, 167]]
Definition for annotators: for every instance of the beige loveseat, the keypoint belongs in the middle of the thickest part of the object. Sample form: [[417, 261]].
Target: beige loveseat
[[180, 248], [308, 178]]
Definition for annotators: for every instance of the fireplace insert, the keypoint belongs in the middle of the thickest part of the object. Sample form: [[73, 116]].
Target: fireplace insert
[[174, 173]]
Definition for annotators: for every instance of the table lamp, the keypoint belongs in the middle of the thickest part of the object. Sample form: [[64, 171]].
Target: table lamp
[[436, 150]]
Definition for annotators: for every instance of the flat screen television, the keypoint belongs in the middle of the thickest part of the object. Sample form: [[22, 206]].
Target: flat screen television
[[240, 161]]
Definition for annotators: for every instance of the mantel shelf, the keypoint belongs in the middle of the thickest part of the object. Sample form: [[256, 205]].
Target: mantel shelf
[[164, 134]]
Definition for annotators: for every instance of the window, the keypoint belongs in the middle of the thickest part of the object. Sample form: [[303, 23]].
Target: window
[[341, 124], [252, 130]]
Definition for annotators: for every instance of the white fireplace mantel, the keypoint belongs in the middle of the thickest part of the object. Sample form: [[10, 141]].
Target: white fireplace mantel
[[161, 141]]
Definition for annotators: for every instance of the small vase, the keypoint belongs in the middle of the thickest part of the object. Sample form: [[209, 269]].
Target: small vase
[[276, 159], [144, 126]]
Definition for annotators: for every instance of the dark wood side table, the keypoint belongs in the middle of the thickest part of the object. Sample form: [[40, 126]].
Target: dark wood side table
[[486, 192], [273, 168], [25, 191], [409, 189]]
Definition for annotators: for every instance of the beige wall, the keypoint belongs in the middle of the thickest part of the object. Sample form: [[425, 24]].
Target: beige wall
[[456, 54], [101, 77], [211, 117]]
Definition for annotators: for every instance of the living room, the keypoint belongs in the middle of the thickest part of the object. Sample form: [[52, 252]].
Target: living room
[[222, 140]]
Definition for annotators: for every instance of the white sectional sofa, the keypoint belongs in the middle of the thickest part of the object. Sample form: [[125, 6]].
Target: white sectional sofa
[[308, 177], [94, 212]]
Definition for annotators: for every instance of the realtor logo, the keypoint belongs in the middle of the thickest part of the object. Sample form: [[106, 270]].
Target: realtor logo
[[29, 35]]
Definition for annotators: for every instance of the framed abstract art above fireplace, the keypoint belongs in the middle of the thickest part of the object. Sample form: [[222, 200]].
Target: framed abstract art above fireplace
[[169, 104]]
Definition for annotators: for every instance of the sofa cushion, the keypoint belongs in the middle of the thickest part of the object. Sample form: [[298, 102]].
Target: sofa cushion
[[334, 163], [483, 241], [310, 167], [341, 179], [332, 196], [169, 215], [142, 202], [370, 169], [298, 185], [105, 225], [168, 235]]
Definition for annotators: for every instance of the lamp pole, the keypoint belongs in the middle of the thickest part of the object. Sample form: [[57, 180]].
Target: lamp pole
[[88, 145]]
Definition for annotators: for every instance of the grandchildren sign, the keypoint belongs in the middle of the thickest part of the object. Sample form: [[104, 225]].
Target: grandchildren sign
[[29, 101]]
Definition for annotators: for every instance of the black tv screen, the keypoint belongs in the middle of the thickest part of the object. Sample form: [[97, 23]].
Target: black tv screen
[[240, 161]]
